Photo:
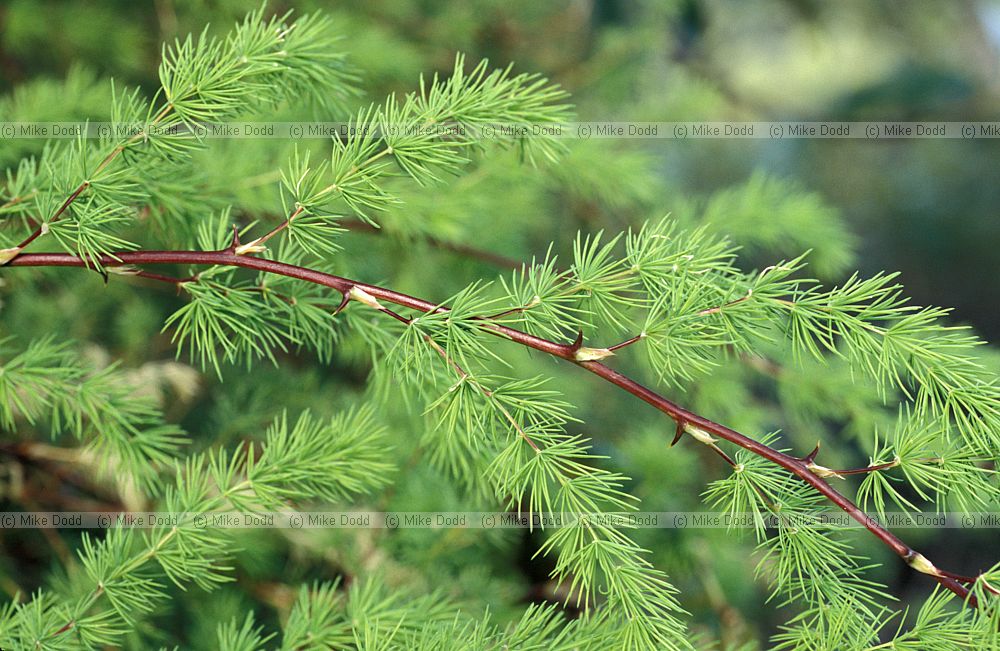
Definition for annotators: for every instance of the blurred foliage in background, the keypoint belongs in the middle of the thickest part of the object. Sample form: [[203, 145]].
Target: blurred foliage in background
[[926, 207]]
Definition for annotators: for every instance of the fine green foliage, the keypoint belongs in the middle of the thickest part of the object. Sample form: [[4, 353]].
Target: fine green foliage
[[937, 468], [48, 386], [427, 134], [124, 573], [375, 400], [262, 62]]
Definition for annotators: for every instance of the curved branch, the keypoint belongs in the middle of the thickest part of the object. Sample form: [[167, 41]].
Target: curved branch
[[363, 292]]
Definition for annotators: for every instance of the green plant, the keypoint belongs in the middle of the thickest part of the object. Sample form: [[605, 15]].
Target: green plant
[[673, 295]]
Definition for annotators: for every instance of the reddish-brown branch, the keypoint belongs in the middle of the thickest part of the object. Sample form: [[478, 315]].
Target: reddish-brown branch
[[628, 342], [795, 465]]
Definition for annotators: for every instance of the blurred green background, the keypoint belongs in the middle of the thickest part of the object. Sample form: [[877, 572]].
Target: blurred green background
[[928, 208]]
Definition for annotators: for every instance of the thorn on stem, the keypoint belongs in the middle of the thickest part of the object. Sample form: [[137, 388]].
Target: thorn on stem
[[679, 433], [235, 242], [343, 304], [809, 458]]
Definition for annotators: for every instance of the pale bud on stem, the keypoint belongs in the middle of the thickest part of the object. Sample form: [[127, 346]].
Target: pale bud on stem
[[6, 255], [822, 471], [123, 270], [699, 434], [919, 562], [250, 248], [361, 296], [584, 354]]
